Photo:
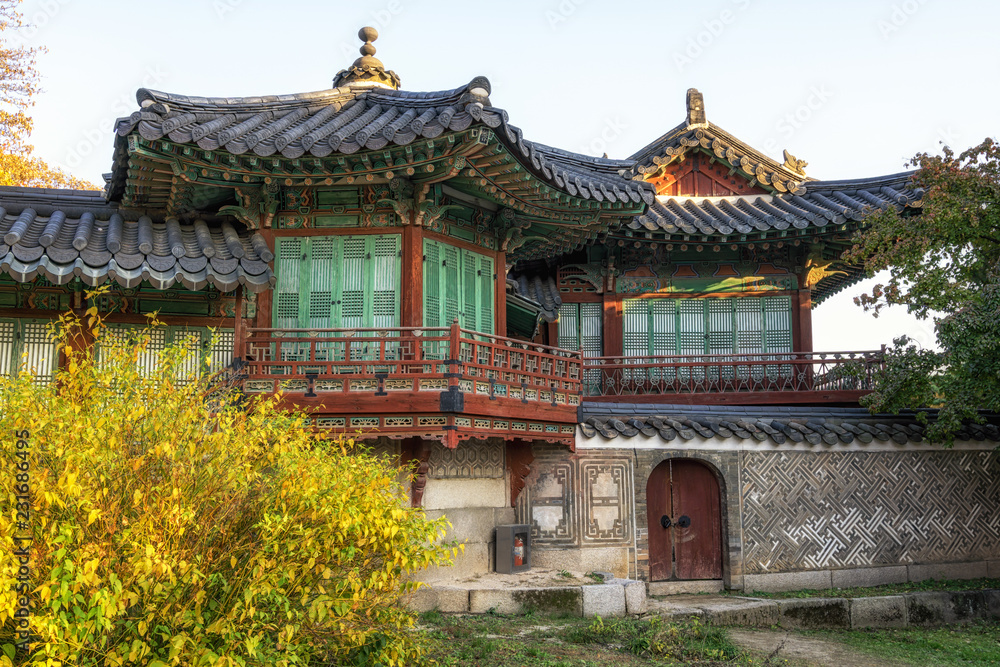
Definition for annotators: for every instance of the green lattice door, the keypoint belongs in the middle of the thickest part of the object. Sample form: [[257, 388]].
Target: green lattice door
[[695, 327], [336, 282], [457, 284], [581, 328]]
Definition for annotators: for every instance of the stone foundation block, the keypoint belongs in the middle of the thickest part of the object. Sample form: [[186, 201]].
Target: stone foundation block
[[864, 577], [879, 612], [930, 609], [788, 581], [467, 524], [755, 613], [465, 493], [474, 560], [500, 602], [609, 559], [992, 602], [815, 613], [559, 600], [974, 570], [993, 569], [605, 600], [447, 600], [684, 587], [635, 597]]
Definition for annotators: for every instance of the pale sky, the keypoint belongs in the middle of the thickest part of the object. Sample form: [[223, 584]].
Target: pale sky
[[854, 88]]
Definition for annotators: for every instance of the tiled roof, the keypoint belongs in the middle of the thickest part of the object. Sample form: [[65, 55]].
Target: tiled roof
[[67, 234], [822, 203], [778, 425], [542, 290], [355, 118], [716, 141]]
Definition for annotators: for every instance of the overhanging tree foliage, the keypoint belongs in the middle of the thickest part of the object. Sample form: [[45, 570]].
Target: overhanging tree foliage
[[20, 83], [173, 524], [945, 268]]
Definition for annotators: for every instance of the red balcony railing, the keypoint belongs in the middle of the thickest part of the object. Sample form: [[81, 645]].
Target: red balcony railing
[[417, 371], [361, 363], [814, 376]]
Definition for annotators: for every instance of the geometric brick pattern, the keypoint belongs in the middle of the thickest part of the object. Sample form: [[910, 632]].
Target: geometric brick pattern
[[548, 503], [804, 511], [477, 460], [607, 501], [583, 500]]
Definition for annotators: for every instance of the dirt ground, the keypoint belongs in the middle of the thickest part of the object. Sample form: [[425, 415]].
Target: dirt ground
[[802, 651]]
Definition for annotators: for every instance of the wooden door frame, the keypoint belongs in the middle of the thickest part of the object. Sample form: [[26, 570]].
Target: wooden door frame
[[724, 518]]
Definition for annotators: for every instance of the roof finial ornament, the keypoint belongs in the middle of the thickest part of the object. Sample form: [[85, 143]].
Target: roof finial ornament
[[695, 108], [367, 69], [792, 163]]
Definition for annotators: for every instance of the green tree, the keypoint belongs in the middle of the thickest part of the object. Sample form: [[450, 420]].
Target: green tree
[[174, 523], [20, 83], [944, 268]]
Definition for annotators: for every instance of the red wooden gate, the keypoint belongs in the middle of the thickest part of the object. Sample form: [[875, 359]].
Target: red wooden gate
[[685, 522]]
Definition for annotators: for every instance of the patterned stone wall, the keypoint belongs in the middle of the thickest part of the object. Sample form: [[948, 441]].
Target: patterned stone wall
[[824, 510], [480, 459], [581, 500]]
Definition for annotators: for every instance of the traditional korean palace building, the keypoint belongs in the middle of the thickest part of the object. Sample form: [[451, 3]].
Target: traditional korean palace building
[[617, 352]]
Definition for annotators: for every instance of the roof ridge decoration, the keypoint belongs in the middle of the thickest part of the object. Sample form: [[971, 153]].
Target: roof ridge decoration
[[367, 69], [697, 132]]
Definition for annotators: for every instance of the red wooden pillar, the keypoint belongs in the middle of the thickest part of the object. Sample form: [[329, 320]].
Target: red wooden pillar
[[80, 340], [500, 294], [803, 318], [552, 334], [613, 325], [262, 318], [411, 305]]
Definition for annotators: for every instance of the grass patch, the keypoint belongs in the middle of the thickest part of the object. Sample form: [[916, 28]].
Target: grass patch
[[975, 644], [551, 641], [887, 589]]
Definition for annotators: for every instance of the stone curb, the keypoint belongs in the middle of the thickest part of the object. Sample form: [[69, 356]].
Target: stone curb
[[890, 611], [613, 598]]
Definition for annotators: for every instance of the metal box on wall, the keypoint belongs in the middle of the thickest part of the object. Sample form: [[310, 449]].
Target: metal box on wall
[[513, 548]]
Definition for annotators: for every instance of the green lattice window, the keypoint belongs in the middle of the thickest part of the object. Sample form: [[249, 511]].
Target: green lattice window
[[580, 328], [27, 342], [457, 284], [746, 325], [333, 282]]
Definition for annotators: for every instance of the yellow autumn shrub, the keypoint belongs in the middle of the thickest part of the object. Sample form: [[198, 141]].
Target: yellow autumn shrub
[[174, 523]]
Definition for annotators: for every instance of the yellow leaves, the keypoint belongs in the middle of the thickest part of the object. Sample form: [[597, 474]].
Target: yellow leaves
[[157, 540]]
